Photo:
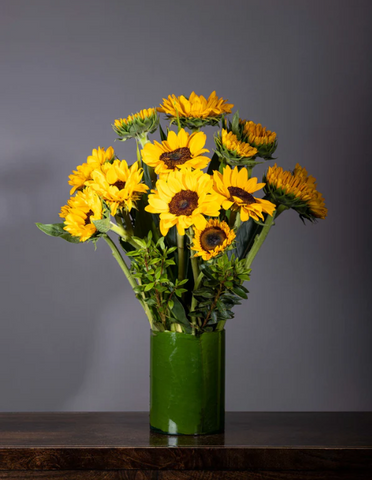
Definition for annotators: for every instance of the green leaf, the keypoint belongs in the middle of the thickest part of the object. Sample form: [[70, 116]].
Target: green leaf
[[235, 124], [149, 286], [240, 292], [179, 314], [162, 134], [245, 237], [214, 164], [103, 225], [56, 230], [204, 292]]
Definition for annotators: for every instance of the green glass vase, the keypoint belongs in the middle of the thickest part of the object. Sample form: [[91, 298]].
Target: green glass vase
[[187, 383]]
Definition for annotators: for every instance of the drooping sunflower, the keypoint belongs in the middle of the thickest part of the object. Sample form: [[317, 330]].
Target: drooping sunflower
[[85, 207], [83, 172], [213, 239], [259, 137], [235, 190], [236, 147], [178, 151], [295, 190], [195, 111], [233, 150], [137, 124], [121, 186], [182, 199]]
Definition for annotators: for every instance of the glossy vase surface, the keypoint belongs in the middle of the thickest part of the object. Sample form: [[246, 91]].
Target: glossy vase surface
[[187, 383]]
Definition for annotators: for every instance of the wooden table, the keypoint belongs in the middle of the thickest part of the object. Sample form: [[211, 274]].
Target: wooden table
[[256, 446]]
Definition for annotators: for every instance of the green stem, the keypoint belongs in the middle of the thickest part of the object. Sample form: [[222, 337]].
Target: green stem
[[194, 302], [128, 223], [143, 140], [259, 239], [181, 256], [119, 230], [195, 268], [237, 222], [233, 214], [125, 269], [123, 234]]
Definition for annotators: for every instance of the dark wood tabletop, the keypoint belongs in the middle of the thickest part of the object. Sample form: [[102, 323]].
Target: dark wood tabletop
[[120, 446]]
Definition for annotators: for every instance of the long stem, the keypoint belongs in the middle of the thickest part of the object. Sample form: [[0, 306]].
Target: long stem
[[195, 268], [194, 302], [125, 269], [181, 256], [123, 234], [258, 241], [128, 223]]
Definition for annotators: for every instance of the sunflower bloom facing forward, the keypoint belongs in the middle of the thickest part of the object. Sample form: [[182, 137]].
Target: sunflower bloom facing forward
[[196, 110], [85, 207], [83, 172], [121, 186], [182, 199], [235, 190], [178, 151], [213, 239], [295, 190]]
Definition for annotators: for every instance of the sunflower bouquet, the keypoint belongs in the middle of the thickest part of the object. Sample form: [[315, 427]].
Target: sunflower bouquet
[[189, 222]]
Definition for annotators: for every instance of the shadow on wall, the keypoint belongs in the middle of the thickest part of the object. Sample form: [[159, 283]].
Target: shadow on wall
[[19, 187], [117, 376], [56, 299]]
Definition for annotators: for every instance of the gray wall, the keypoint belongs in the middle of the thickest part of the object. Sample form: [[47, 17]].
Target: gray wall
[[72, 335]]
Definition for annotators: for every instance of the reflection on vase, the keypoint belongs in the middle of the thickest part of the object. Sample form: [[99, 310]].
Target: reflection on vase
[[161, 440]]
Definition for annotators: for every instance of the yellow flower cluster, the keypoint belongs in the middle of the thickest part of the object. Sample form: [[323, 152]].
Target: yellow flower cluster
[[83, 172], [142, 115], [182, 198], [235, 191], [196, 106], [101, 178], [119, 184], [257, 134], [213, 239], [284, 186], [242, 149], [178, 151], [80, 212]]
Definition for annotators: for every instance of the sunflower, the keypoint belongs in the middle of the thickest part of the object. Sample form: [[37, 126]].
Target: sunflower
[[195, 111], [235, 147], [213, 239], [182, 199], [83, 172], [261, 138], [119, 184], [176, 152], [137, 124], [84, 208], [235, 190], [295, 190], [101, 155]]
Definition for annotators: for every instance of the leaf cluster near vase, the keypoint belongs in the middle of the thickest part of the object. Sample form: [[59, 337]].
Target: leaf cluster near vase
[[190, 222]]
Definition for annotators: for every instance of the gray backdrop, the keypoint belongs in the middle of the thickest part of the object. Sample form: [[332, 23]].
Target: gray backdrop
[[72, 335]]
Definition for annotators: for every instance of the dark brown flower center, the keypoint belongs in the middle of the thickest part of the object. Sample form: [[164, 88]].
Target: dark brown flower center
[[176, 157], [212, 237], [184, 203], [89, 214], [242, 194], [120, 184]]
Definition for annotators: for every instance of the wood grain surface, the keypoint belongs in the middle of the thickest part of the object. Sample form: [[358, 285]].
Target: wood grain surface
[[257, 446]]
